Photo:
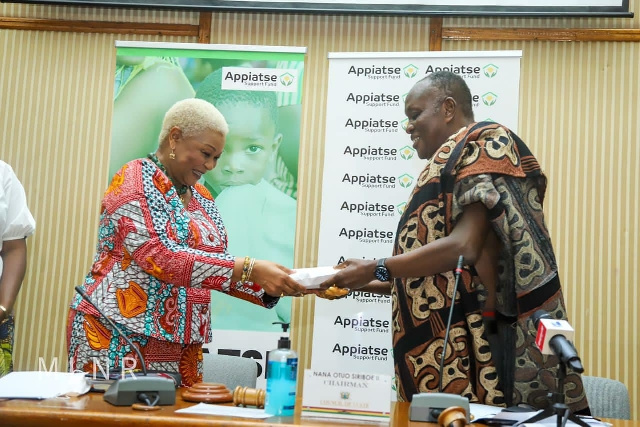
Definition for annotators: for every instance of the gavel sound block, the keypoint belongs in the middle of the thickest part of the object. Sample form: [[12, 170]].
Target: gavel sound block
[[207, 393]]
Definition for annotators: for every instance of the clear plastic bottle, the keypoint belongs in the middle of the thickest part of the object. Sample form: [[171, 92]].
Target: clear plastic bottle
[[282, 375]]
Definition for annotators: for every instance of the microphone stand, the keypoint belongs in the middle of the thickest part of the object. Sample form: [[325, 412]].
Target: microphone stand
[[557, 405], [428, 407]]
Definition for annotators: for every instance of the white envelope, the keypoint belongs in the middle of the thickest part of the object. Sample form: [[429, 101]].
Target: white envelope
[[311, 278], [42, 385]]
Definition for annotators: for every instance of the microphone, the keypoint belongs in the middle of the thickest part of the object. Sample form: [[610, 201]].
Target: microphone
[[555, 336], [127, 391], [457, 273], [427, 407]]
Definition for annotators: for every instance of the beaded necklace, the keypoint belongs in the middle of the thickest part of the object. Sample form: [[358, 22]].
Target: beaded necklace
[[181, 190]]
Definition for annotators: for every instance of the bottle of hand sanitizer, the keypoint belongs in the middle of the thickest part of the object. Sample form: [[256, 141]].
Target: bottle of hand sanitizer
[[282, 375]]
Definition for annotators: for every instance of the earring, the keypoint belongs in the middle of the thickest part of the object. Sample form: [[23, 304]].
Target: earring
[[172, 155]]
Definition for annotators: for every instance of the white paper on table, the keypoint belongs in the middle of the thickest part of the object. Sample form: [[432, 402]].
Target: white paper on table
[[227, 411], [42, 384], [520, 418], [479, 410], [311, 278]]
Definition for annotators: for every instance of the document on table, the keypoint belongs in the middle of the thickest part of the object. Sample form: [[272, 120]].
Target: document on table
[[479, 411], [42, 385], [227, 411], [491, 415]]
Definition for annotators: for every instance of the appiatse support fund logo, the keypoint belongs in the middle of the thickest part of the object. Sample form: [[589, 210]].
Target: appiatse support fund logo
[[405, 180], [374, 99], [372, 125], [369, 180], [407, 152], [489, 99], [410, 71], [368, 208], [362, 323], [361, 352], [287, 79], [465, 71], [375, 72], [490, 70], [259, 79], [366, 235], [370, 152]]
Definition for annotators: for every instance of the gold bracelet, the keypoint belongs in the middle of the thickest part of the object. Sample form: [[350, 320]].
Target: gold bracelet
[[6, 312], [253, 261], [245, 269]]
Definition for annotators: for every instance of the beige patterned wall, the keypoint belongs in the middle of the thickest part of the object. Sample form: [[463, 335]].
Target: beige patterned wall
[[578, 112]]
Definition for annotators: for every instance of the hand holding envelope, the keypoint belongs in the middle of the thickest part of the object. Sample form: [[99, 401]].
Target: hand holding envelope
[[312, 278]]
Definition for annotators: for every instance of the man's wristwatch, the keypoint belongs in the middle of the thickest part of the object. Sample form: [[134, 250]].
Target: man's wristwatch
[[382, 272]]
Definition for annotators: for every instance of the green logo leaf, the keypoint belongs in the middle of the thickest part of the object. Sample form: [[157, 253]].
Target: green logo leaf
[[489, 98], [407, 152], [410, 71], [405, 180], [286, 79], [490, 70]]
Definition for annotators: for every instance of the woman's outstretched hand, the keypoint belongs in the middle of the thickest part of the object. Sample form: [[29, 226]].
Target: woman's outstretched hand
[[275, 280]]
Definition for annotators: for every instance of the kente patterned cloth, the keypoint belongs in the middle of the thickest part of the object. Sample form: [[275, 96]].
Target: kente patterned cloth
[[155, 265], [6, 345], [483, 162]]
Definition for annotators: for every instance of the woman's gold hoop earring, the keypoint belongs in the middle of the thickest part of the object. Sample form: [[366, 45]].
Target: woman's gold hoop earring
[[172, 155]]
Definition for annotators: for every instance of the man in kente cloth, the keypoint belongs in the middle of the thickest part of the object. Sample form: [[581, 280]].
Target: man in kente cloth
[[480, 195]]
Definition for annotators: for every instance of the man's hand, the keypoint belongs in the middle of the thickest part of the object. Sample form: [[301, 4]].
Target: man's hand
[[352, 274]]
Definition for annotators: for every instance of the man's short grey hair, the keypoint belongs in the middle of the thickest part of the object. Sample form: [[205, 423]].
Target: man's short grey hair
[[193, 116]]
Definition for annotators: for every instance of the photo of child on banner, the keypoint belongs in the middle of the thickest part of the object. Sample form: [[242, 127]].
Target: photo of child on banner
[[258, 215], [255, 181]]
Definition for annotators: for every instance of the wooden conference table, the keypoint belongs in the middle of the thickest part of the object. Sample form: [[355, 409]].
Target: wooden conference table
[[90, 410]]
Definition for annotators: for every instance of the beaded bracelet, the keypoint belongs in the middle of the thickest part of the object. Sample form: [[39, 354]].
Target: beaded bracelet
[[245, 269], [253, 261]]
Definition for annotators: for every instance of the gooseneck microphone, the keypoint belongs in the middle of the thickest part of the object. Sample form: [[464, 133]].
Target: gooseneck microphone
[[457, 273], [127, 391], [555, 336], [427, 407]]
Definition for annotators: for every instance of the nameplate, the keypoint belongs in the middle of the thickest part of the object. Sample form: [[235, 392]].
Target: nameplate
[[350, 395]]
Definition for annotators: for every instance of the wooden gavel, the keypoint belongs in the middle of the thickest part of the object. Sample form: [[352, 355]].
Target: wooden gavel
[[246, 396], [454, 416]]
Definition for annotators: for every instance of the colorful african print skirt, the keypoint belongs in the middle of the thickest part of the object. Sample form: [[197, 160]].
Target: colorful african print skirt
[[6, 346], [94, 346]]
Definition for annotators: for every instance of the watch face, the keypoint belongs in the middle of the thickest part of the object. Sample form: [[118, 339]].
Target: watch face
[[382, 273]]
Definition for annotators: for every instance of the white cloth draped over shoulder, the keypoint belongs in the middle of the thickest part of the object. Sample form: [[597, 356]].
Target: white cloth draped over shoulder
[[16, 221]]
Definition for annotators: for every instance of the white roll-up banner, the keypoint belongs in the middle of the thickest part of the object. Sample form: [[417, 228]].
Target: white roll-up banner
[[370, 168]]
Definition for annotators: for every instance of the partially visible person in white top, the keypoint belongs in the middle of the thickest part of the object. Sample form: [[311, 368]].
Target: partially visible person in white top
[[16, 224]]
